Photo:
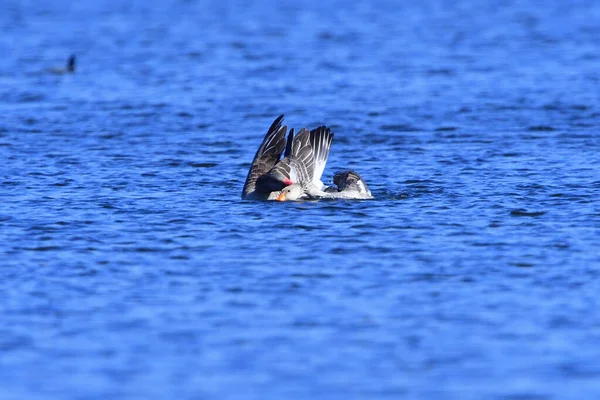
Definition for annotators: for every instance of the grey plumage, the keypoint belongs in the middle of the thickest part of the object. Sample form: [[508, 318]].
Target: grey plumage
[[301, 168], [266, 157]]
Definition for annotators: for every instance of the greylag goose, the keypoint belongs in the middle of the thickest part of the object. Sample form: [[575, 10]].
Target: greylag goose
[[298, 174]]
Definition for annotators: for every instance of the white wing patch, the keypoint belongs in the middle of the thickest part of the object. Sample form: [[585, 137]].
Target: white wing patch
[[321, 139]]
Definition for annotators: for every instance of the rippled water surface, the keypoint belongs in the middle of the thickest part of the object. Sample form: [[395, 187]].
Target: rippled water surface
[[132, 269]]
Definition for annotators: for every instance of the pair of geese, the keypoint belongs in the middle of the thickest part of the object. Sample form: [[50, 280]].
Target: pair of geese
[[297, 176]]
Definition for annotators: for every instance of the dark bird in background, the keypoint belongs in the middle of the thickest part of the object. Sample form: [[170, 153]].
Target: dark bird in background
[[69, 69]]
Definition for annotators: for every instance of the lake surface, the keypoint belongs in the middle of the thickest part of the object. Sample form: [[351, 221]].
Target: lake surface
[[131, 268]]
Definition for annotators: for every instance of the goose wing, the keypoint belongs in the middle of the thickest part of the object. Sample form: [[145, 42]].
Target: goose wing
[[295, 167], [320, 139], [267, 155]]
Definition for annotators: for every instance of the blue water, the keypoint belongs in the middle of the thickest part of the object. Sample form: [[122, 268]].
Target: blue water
[[132, 269]]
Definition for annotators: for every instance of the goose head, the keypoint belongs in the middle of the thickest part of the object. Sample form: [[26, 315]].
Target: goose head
[[291, 193]]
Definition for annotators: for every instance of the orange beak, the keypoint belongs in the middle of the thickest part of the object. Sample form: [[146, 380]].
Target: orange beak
[[281, 197]]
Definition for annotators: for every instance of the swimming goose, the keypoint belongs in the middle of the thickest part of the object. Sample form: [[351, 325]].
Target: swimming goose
[[298, 174], [69, 69], [349, 184]]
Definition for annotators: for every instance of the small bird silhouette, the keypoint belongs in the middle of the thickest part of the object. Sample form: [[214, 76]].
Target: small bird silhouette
[[69, 69]]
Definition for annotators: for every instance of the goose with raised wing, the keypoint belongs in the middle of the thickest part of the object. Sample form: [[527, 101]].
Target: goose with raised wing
[[298, 174]]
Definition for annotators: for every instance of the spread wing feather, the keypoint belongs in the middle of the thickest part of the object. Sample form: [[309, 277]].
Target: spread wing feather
[[267, 155], [321, 139], [297, 166]]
